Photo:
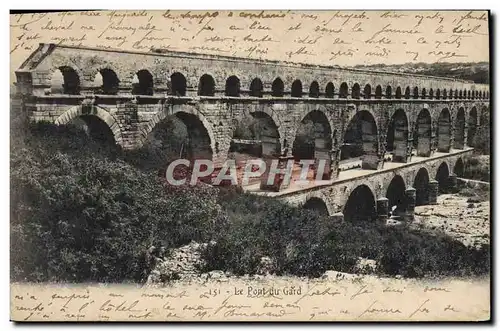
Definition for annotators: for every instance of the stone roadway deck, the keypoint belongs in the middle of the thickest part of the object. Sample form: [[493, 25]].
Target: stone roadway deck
[[351, 174]]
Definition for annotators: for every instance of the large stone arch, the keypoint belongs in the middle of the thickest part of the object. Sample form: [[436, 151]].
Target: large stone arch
[[318, 114], [360, 204], [272, 111], [318, 196], [314, 139], [422, 137], [459, 167], [361, 139], [395, 193], [472, 126], [459, 132], [443, 173], [444, 132], [352, 113], [275, 112], [397, 135], [260, 122], [170, 110], [421, 185], [92, 110]]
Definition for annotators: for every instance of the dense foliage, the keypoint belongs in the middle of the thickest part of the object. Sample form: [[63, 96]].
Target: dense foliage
[[477, 167], [303, 243], [78, 212]]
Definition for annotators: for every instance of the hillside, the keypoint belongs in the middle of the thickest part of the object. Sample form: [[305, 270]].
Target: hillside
[[476, 72]]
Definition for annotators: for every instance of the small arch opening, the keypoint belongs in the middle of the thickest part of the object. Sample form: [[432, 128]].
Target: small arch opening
[[296, 89], [65, 80], [398, 92], [206, 86], [388, 92], [314, 90], [415, 92], [367, 91], [142, 83], [178, 84], [277, 89], [407, 93], [256, 88], [442, 176], [355, 92], [330, 90], [343, 91], [108, 82], [232, 86]]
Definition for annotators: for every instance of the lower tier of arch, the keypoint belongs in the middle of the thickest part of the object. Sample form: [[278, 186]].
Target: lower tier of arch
[[376, 184]]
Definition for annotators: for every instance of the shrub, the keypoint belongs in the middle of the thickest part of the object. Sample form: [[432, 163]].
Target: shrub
[[477, 167], [81, 213], [305, 244], [413, 254]]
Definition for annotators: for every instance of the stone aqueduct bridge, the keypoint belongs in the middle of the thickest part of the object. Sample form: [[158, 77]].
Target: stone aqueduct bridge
[[426, 123]]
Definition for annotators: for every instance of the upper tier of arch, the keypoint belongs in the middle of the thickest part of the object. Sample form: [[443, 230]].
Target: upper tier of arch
[[86, 61]]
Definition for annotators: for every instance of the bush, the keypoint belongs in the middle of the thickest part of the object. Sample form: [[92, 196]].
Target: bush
[[477, 167], [305, 244], [413, 254], [80, 213]]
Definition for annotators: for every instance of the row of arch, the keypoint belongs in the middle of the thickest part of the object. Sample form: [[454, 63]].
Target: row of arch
[[415, 93], [362, 132], [360, 139], [66, 80], [361, 203]]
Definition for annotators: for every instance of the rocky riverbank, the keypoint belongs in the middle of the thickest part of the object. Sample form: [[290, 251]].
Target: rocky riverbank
[[466, 219]]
